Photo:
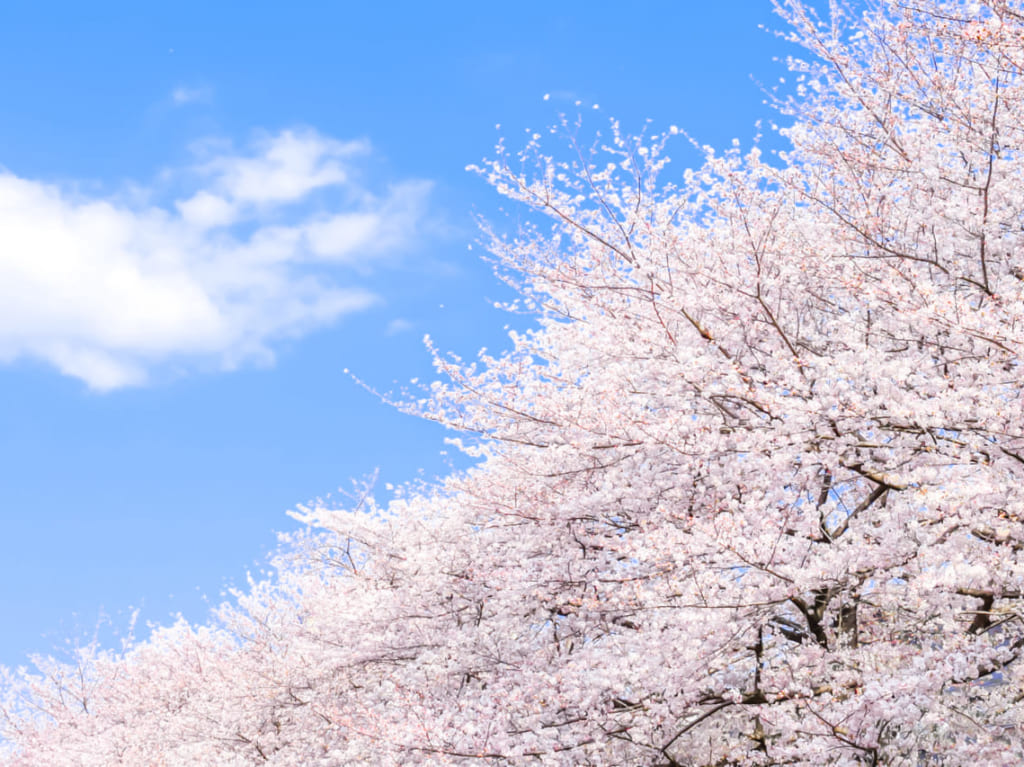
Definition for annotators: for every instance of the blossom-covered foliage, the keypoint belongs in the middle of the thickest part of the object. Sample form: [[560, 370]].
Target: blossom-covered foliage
[[749, 494]]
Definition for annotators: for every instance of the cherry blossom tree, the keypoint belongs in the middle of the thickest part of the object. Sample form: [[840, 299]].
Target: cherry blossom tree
[[748, 494]]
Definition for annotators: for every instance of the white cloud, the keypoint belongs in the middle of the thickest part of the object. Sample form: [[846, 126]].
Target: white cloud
[[288, 167], [351, 237], [344, 233], [206, 210], [398, 325], [184, 95], [108, 291]]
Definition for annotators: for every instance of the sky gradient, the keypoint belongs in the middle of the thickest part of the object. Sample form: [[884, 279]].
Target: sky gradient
[[208, 215]]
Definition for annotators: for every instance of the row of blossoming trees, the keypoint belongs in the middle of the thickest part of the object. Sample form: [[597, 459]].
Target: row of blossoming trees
[[750, 494]]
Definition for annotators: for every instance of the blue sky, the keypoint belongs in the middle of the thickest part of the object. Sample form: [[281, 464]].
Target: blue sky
[[209, 211]]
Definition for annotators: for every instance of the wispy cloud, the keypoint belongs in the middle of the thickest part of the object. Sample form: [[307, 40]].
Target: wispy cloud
[[109, 291], [285, 167], [398, 325], [189, 95]]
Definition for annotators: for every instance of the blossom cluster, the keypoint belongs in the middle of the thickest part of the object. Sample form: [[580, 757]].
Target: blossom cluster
[[748, 494]]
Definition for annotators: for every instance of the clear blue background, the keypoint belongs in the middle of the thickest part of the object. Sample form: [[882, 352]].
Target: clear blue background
[[157, 496]]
